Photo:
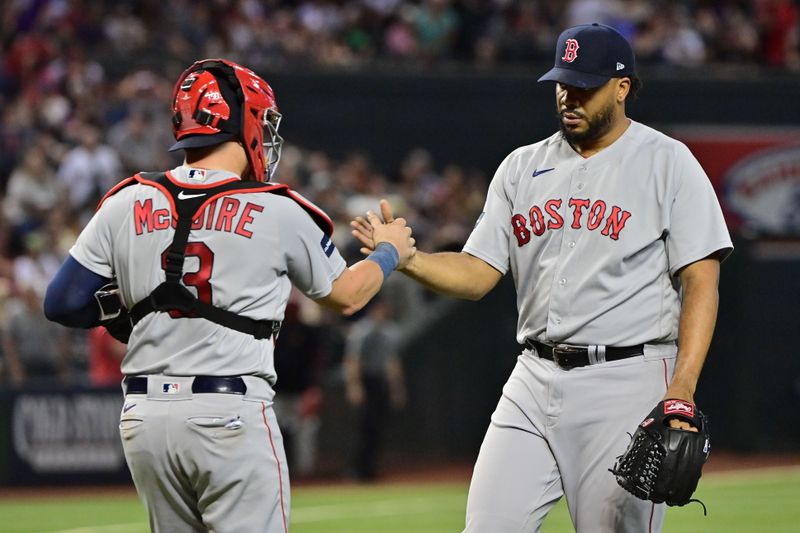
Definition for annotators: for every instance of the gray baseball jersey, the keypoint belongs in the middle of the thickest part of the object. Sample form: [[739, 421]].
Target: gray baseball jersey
[[594, 245], [635, 213], [244, 254]]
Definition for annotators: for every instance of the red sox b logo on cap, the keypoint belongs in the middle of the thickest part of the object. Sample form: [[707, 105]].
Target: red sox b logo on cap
[[571, 51]]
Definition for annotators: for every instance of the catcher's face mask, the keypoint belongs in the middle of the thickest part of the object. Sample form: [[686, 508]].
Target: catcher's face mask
[[216, 100]]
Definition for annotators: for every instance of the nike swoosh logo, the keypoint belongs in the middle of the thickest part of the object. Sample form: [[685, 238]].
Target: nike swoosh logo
[[183, 196], [536, 172], [128, 407]]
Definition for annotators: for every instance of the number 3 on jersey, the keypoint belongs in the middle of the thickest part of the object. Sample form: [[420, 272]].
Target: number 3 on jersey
[[200, 279]]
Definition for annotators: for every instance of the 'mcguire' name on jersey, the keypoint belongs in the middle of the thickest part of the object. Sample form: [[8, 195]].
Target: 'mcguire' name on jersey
[[230, 217], [585, 213]]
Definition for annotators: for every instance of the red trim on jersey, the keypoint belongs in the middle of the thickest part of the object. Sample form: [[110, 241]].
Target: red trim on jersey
[[280, 475], [318, 215], [122, 184], [163, 190], [311, 207], [652, 512], [185, 185], [666, 379], [238, 191]]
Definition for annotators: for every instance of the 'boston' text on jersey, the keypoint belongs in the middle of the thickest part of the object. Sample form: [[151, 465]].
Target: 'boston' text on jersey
[[227, 218], [584, 213]]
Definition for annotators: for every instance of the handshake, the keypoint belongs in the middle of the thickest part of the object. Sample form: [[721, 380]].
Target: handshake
[[370, 232]]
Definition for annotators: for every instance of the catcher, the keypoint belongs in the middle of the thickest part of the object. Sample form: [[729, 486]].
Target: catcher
[[205, 256]]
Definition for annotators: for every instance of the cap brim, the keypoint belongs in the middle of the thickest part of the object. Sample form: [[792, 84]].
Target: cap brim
[[201, 141], [574, 78]]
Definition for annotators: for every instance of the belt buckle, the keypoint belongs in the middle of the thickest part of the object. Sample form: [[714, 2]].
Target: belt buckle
[[560, 351]]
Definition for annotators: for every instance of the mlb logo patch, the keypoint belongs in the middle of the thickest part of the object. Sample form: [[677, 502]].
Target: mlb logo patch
[[198, 174], [327, 245], [170, 388]]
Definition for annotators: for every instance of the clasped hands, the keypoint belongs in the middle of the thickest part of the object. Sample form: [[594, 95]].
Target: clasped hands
[[370, 231]]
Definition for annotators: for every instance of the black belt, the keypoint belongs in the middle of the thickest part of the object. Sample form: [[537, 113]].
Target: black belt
[[200, 385], [574, 356]]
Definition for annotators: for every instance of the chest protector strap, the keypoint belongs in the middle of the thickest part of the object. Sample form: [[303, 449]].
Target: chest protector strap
[[171, 295]]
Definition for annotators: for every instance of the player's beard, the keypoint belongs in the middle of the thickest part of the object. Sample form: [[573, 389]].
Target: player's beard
[[599, 125]]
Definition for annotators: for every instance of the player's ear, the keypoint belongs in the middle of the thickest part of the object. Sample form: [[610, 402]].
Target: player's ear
[[623, 88]]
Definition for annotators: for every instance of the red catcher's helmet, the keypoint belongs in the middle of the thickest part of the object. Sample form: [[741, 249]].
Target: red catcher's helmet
[[216, 100]]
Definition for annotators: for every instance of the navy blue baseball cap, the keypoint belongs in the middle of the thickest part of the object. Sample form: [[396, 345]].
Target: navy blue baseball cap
[[588, 55]]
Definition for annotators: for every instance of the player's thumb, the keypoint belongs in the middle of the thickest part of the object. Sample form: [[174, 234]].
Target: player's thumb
[[386, 211]]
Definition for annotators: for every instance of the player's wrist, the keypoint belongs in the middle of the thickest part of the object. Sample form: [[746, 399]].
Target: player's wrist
[[681, 389], [386, 256], [411, 265]]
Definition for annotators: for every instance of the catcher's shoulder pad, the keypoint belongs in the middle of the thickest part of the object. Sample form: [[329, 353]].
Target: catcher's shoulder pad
[[115, 189], [140, 177], [160, 179], [319, 216]]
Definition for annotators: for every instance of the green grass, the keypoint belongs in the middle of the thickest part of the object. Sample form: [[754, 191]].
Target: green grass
[[767, 501]]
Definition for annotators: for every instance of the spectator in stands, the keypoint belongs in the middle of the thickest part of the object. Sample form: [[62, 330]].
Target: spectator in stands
[[139, 143], [436, 25], [682, 43], [399, 39], [34, 268], [89, 170], [778, 20], [31, 193]]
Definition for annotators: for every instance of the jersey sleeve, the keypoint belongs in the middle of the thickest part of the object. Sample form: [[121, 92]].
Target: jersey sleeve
[[313, 260], [697, 227], [490, 237], [93, 248]]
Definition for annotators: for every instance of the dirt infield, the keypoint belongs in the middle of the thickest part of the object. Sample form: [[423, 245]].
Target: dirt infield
[[720, 461], [728, 461]]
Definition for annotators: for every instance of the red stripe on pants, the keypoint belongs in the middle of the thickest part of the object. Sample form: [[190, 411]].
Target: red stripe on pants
[[278, 462]]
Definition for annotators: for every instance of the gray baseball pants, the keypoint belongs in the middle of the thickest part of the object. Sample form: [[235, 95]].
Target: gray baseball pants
[[556, 433], [207, 462]]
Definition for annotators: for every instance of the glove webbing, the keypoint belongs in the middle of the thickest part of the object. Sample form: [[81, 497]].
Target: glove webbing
[[640, 465]]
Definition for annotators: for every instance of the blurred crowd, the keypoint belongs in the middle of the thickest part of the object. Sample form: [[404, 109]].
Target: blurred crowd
[[84, 86], [349, 33], [53, 190]]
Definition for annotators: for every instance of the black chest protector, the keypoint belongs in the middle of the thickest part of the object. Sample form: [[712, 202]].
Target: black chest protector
[[187, 202]]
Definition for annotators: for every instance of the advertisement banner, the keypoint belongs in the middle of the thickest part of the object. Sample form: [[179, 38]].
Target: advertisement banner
[[756, 173], [62, 435]]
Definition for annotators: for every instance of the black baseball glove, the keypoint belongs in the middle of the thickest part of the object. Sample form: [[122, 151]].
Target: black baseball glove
[[664, 464], [113, 313]]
